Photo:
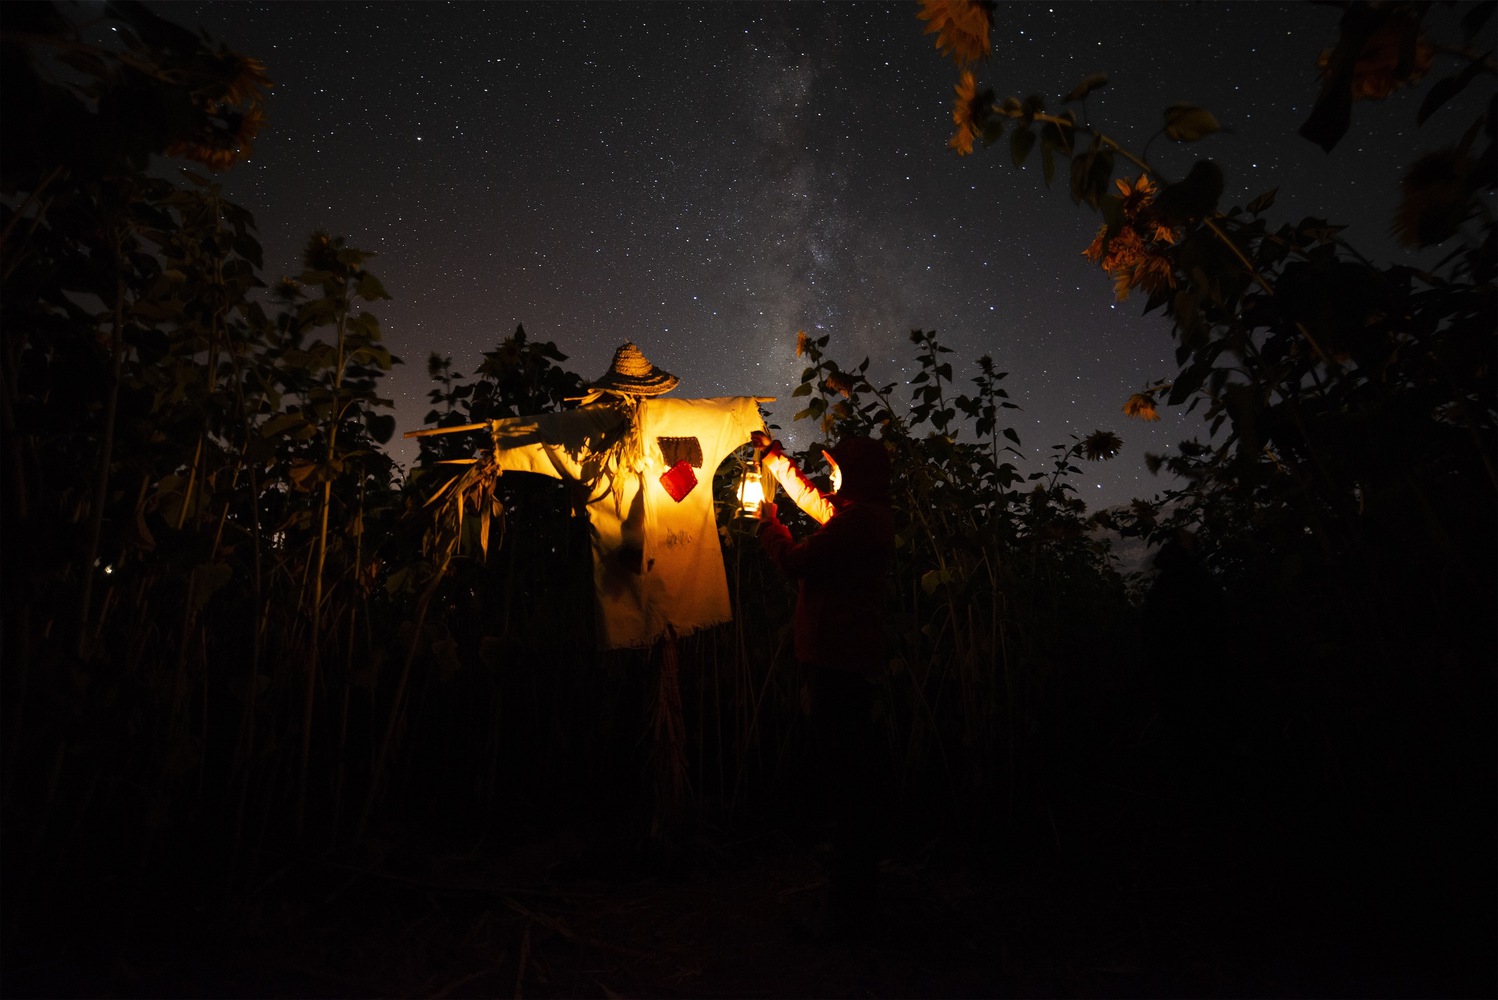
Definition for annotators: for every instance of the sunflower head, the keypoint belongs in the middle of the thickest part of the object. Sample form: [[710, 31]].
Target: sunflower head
[[967, 113], [230, 112], [840, 382], [1141, 406], [1136, 195], [1394, 56], [321, 252], [1101, 445], [961, 28], [1143, 512], [244, 78], [1435, 196]]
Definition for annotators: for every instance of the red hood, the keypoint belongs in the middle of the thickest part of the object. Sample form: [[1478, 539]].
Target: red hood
[[865, 466]]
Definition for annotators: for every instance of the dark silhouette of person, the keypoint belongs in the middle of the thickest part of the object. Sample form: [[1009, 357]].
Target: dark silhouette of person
[[842, 569]]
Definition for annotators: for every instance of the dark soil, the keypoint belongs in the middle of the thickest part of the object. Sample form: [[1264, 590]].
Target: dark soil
[[1161, 907]]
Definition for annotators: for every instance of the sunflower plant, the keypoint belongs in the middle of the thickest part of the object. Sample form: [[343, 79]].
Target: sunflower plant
[[1345, 491]]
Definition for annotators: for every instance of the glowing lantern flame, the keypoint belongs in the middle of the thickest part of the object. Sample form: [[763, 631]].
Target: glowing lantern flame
[[751, 491]]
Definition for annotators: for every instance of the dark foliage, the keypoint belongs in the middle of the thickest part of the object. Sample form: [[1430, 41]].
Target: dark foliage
[[237, 643]]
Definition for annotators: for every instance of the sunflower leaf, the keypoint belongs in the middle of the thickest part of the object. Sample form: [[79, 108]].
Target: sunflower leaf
[[1020, 144], [1094, 82], [1188, 122]]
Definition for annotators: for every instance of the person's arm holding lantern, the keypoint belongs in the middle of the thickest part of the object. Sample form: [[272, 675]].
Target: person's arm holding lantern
[[802, 491]]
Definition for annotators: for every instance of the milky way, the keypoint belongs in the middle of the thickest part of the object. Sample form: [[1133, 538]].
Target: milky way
[[708, 179]]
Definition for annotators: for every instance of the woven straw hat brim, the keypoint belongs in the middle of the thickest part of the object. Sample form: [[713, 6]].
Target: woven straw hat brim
[[663, 382]]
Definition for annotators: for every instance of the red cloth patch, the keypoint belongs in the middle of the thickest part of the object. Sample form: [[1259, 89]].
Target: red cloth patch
[[679, 481]]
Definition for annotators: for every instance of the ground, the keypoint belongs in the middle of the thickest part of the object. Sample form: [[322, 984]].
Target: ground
[[564, 915]]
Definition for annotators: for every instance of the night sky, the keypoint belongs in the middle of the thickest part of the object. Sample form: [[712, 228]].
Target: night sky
[[708, 179]]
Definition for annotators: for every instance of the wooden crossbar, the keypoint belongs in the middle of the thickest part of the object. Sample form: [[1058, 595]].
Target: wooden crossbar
[[429, 431]]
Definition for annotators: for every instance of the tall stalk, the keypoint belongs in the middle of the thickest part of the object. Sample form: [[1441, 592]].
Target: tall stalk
[[106, 446], [397, 706], [315, 641]]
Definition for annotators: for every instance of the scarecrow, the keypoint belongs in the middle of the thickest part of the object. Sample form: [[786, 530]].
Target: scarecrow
[[646, 464]]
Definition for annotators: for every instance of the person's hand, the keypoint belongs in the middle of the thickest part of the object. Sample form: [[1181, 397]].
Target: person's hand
[[760, 440], [767, 511]]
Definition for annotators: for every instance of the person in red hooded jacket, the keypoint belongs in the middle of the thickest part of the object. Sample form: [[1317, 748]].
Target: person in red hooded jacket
[[842, 570]]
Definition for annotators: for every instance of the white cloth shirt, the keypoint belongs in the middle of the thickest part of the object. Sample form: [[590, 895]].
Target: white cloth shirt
[[657, 561]]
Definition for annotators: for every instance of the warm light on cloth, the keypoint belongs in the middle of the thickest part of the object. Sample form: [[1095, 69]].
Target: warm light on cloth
[[657, 561]]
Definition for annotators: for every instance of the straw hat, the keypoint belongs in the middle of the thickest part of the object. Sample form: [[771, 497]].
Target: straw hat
[[632, 375]]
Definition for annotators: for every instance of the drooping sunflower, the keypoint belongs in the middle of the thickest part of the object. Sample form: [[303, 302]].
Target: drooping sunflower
[[287, 289], [1436, 195], [961, 28], [1135, 255], [1101, 445], [1394, 56], [840, 382], [246, 79], [962, 114], [803, 343], [230, 112], [1141, 406]]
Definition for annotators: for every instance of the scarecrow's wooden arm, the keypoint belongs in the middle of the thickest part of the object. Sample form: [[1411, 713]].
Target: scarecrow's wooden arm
[[549, 444], [429, 431]]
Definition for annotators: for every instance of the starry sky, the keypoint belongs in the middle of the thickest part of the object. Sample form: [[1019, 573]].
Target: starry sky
[[706, 179]]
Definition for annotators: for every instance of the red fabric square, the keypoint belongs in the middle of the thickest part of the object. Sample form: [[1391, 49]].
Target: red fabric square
[[679, 480]]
